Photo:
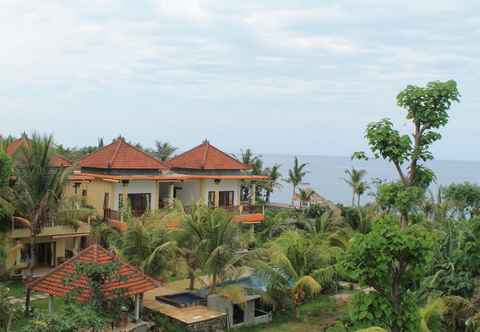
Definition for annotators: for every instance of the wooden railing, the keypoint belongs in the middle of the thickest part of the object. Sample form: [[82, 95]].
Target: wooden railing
[[111, 214]]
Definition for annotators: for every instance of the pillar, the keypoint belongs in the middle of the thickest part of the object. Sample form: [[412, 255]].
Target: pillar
[[171, 195], [253, 196], [124, 199], [137, 307], [202, 192], [50, 303], [53, 254]]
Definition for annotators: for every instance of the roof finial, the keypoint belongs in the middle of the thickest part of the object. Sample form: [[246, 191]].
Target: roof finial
[[205, 141]]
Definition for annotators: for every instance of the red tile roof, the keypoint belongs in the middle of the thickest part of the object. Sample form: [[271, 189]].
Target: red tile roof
[[133, 281], [206, 156], [252, 218], [121, 155], [12, 147], [55, 161]]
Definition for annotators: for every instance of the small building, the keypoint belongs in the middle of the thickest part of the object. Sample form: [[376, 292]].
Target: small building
[[132, 281]]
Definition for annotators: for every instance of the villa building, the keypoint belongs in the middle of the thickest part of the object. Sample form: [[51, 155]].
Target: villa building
[[120, 175]]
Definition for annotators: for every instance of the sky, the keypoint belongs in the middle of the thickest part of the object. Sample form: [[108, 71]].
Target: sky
[[289, 77]]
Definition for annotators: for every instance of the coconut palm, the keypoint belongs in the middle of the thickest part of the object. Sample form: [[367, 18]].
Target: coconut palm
[[288, 265], [354, 178], [38, 188], [189, 237], [220, 245], [305, 196], [164, 150], [296, 175], [272, 183]]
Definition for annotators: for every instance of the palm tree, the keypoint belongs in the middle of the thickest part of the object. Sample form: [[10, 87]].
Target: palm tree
[[189, 238], [256, 168], [305, 196], [273, 174], [38, 188], [288, 265], [355, 180], [220, 245], [164, 150], [296, 175]]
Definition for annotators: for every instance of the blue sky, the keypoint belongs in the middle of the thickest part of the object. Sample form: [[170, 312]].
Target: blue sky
[[296, 77]]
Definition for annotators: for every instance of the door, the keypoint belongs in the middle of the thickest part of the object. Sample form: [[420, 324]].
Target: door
[[139, 203], [211, 199], [225, 199]]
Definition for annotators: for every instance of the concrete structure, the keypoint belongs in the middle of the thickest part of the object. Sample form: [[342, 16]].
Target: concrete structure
[[247, 313]]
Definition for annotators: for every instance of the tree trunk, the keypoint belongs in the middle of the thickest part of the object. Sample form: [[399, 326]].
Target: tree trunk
[[27, 302], [353, 199], [358, 200], [33, 258], [293, 195], [213, 286], [191, 276]]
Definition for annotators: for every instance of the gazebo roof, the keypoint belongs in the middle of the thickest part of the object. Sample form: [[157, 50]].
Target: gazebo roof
[[132, 280]]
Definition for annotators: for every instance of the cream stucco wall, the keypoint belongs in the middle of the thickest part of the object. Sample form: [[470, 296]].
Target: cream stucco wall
[[138, 187], [197, 190]]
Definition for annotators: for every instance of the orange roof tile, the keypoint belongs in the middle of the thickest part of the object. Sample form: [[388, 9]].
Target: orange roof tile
[[206, 156], [121, 155], [133, 281], [55, 161], [253, 218], [164, 178]]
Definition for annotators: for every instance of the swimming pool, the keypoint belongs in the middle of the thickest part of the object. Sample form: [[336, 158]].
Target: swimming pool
[[181, 299]]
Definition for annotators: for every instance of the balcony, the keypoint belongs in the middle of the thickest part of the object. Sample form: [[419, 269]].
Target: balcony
[[49, 229]]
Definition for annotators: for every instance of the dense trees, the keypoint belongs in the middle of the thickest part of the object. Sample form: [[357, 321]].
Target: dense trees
[[296, 175]]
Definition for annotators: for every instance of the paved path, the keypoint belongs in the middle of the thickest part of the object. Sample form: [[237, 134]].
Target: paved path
[[34, 297]]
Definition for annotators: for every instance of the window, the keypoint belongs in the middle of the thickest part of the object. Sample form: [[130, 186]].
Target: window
[[225, 198], [84, 192], [211, 199]]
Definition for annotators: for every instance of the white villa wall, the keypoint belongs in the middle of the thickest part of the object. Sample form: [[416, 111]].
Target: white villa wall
[[224, 185], [137, 187], [190, 192]]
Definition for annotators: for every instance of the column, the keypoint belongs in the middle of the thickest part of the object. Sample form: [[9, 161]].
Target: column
[[253, 196], [124, 199], [202, 192], [171, 195], [50, 303], [137, 307], [53, 253]]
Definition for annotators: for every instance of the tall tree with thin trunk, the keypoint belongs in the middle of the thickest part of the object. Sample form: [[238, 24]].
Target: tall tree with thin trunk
[[272, 183], [38, 188], [354, 178], [296, 175]]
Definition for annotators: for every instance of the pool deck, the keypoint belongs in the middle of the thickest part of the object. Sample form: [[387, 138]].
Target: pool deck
[[187, 315]]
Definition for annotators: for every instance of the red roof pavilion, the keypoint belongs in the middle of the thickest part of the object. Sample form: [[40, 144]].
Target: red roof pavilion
[[55, 161], [53, 283]]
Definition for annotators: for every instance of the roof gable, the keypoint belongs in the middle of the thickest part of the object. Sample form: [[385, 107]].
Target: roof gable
[[121, 155], [133, 281], [206, 156]]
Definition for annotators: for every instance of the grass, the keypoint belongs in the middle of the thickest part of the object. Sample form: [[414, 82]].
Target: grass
[[17, 289], [315, 316]]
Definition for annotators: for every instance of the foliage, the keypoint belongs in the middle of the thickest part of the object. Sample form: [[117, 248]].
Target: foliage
[[398, 197], [8, 312], [6, 206], [431, 315], [392, 261], [273, 177], [73, 318], [163, 150], [464, 198], [427, 109]]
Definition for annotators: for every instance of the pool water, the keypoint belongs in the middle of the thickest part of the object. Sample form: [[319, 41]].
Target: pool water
[[181, 299]]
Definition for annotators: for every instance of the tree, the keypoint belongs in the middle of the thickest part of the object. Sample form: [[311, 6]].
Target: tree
[[355, 180], [272, 183], [220, 245], [288, 264], [464, 198], [38, 188], [427, 109], [296, 175], [392, 260], [305, 196], [164, 150], [189, 237], [6, 203]]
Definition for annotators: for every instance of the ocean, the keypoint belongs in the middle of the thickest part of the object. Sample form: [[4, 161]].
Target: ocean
[[326, 174]]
